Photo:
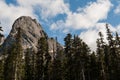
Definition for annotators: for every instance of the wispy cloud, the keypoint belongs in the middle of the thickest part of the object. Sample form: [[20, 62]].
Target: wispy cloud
[[47, 9], [88, 16], [117, 10]]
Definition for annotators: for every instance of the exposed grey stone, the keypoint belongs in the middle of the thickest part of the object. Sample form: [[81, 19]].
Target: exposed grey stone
[[31, 32]]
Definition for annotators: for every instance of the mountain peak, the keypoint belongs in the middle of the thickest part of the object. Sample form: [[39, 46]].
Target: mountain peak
[[31, 32]]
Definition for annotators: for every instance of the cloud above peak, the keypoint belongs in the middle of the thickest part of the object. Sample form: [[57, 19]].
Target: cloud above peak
[[88, 16], [47, 9], [34, 8], [10, 12]]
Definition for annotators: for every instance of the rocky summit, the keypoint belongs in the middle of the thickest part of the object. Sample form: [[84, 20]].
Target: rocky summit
[[31, 32]]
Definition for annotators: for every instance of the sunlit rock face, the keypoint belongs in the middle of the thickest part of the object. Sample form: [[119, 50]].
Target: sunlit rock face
[[31, 32]]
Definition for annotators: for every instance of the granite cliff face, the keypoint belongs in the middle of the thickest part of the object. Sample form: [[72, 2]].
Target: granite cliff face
[[31, 32]]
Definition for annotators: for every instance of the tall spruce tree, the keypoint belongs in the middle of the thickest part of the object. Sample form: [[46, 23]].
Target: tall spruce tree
[[68, 55], [77, 63], [41, 56], [15, 62], [43, 60], [56, 64], [77, 59], [117, 57], [81, 60], [101, 57], [2, 69], [2, 60], [94, 70], [85, 60], [29, 64], [111, 53], [1, 35]]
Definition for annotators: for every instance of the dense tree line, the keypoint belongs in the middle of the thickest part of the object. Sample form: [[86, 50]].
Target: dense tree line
[[75, 62]]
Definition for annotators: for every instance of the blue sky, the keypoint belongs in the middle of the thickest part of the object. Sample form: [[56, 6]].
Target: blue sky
[[59, 17]]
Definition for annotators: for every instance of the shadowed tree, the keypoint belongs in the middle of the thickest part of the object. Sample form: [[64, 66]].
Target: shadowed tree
[[101, 57], [68, 55], [2, 59], [15, 62]]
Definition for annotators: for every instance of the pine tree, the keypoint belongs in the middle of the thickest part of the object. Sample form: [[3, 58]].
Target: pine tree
[[1, 35], [101, 57], [14, 62], [68, 55], [115, 59], [20, 71], [81, 61], [56, 64], [2, 69], [2, 60], [39, 60], [85, 60], [112, 54], [77, 59], [77, 63], [43, 60], [94, 70], [9, 66], [29, 64]]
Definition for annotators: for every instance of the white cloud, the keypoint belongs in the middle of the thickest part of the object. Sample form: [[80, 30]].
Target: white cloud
[[117, 10], [118, 29], [49, 8], [90, 36], [91, 39], [88, 16], [58, 25]]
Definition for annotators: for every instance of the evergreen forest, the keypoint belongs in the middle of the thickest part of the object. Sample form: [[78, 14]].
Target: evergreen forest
[[74, 62]]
